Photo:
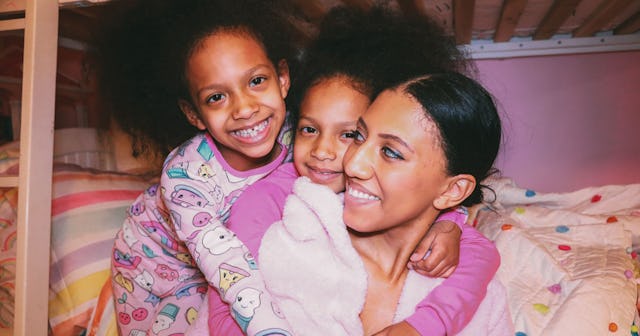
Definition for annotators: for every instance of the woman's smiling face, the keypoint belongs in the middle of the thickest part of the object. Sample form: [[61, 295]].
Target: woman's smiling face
[[395, 167]]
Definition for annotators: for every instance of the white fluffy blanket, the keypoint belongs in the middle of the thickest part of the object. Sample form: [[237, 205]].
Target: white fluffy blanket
[[319, 280], [566, 258]]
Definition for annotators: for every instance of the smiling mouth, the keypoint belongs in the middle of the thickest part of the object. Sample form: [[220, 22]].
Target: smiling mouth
[[361, 195], [253, 131]]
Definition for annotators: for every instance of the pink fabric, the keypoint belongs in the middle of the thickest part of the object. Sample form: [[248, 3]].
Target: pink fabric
[[446, 310]]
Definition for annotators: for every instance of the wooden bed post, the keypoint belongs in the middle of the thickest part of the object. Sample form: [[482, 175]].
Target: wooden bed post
[[36, 146]]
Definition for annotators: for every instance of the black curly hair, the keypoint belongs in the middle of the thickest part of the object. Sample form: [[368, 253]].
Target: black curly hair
[[374, 49], [141, 53]]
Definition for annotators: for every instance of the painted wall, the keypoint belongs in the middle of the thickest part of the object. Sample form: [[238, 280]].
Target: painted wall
[[570, 121]]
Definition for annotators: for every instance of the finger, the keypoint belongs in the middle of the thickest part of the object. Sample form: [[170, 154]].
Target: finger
[[448, 272], [423, 247]]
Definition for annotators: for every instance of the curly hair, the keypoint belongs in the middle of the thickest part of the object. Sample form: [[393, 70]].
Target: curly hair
[[143, 48], [374, 49]]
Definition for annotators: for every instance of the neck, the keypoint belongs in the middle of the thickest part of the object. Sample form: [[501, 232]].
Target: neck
[[387, 253]]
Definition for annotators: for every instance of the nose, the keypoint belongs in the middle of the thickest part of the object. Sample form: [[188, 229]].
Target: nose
[[246, 106], [323, 149], [358, 162]]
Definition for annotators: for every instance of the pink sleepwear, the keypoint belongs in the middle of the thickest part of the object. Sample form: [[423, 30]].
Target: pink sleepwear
[[174, 244]]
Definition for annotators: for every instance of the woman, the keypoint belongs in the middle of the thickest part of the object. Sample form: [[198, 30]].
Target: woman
[[422, 147]]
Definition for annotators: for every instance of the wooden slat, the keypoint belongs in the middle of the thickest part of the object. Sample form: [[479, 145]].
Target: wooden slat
[[603, 15], [629, 26], [509, 17], [36, 146], [557, 14], [463, 20]]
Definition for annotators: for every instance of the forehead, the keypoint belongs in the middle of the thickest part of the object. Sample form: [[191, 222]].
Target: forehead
[[228, 45], [335, 95], [396, 113]]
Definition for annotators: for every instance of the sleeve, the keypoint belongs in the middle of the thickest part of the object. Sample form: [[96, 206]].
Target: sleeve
[[220, 320], [458, 215], [195, 204], [252, 214], [451, 306]]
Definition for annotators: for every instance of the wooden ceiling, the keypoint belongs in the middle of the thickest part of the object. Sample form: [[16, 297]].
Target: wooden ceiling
[[502, 20], [468, 20]]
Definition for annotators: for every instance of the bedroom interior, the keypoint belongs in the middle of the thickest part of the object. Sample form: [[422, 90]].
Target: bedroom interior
[[566, 76]]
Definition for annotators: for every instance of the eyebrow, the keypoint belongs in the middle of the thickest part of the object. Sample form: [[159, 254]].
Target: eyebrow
[[251, 71], [387, 136]]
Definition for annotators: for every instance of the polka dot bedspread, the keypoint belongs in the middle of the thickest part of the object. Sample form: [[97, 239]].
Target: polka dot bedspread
[[569, 261]]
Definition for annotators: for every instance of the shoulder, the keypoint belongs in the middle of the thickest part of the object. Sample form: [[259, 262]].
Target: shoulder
[[269, 191]]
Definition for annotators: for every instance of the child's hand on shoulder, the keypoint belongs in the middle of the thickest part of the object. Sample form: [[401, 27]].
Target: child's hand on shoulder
[[438, 253]]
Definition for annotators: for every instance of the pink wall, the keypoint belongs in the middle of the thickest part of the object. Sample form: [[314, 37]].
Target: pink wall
[[570, 121]]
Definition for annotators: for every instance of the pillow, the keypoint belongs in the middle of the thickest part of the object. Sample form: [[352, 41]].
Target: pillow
[[88, 208]]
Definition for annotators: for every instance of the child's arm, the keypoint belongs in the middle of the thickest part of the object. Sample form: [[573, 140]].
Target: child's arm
[[451, 305], [251, 215], [222, 258]]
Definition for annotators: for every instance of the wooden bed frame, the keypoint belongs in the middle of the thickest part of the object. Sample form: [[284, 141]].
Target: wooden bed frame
[[40, 26]]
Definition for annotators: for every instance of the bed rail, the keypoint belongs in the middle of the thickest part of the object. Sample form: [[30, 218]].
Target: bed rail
[[40, 24]]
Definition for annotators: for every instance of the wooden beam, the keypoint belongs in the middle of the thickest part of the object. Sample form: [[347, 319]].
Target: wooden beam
[[629, 26], [557, 14], [603, 15], [463, 20], [509, 17]]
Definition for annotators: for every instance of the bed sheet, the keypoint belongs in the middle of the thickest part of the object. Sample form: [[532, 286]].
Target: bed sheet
[[569, 260], [88, 207]]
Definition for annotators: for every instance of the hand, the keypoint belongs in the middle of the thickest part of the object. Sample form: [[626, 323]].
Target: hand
[[438, 253], [398, 329]]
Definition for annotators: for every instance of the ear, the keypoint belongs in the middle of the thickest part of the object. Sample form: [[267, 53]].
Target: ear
[[457, 189], [191, 114], [283, 77]]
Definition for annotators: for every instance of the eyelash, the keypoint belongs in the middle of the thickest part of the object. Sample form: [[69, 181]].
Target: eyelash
[[307, 130], [391, 154], [386, 151], [262, 79], [211, 99]]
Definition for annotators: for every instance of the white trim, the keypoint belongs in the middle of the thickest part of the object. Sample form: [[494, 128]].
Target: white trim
[[555, 46]]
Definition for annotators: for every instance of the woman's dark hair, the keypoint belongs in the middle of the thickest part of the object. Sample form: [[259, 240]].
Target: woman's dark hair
[[373, 49], [469, 124], [142, 52]]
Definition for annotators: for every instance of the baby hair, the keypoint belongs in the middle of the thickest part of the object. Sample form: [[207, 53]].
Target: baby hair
[[142, 55], [374, 49], [468, 123]]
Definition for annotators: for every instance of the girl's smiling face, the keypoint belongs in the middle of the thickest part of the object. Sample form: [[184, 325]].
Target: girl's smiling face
[[395, 168], [328, 116], [238, 96]]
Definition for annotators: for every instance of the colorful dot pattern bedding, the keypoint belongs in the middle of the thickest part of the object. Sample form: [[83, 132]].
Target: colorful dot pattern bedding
[[569, 260]]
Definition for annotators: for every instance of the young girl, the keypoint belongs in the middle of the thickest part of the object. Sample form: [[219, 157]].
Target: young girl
[[337, 85], [232, 63]]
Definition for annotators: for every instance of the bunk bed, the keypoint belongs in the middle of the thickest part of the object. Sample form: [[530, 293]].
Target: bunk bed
[[84, 178]]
